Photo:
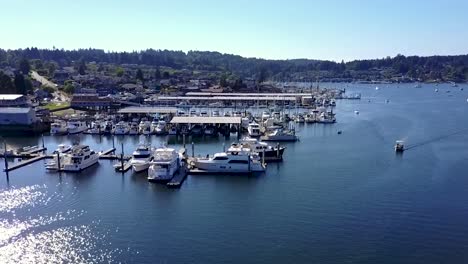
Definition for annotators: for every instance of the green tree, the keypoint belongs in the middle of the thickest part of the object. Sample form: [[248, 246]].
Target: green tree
[[22, 85], [51, 69], [223, 81], [139, 75], [119, 71], [69, 88], [6, 85], [24, 66], [157, 74], [166, 75]]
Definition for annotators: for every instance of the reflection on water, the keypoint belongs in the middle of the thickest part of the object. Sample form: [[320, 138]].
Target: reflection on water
[[48, 238]]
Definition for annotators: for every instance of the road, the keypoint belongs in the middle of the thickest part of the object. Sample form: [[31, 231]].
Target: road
[[59, 96]]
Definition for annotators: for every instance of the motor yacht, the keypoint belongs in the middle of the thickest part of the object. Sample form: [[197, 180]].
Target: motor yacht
[[165, 164], [141, 157]]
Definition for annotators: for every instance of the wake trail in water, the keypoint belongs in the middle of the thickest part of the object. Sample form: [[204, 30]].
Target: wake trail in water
[[436, 139]]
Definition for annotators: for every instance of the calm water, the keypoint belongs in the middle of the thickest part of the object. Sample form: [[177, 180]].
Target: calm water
[[335, 199]]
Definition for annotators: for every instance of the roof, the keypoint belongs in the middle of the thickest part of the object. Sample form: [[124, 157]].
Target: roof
[[147, 110], [246, 94], [205, 120], [14, 110], [10, 96], [228, 98]]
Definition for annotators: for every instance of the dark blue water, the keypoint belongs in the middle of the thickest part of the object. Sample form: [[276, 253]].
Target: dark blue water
[[335, 199]]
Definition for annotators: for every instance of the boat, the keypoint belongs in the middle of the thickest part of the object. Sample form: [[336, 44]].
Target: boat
[[172, 130], [121, 128], [203, 113], [253, 129], [144, 127], [59, 127], [418, 85], [160, 128], [209, 130], [271, 153], [62, 148], [215, 113], [165, 164], [196, 130], [79, 158], [153, 126], [141, 157], [310, 118], [76, 126], [299, 119], [133, 130], [326, 118], [399, 146], [95, 129], [280, 135], [265, 115], [234, 160]]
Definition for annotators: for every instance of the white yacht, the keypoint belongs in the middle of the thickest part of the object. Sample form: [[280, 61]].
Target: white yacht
[[62, 148], [215, 113], [326, 118], [76, 126], [145, 127], [121, 128], [165, 164], [235, 160], [95, 129], [280, 135], [265, 115], [203, 113], [253, 129], [160, 128], [299, 119], [271, 153], [80, 158], [133, 128], [141, 158], [58, 128], [153, 126]]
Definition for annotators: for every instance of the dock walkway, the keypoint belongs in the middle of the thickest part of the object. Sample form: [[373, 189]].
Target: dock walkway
[[25, 162]]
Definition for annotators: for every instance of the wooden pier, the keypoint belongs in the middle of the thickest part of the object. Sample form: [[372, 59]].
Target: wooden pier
[[107, 152], [25, 162]]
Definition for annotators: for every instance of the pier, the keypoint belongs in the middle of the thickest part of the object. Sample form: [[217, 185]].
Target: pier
[[179, 177], [25, 162]]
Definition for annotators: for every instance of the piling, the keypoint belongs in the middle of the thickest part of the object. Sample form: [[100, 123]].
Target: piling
[[183, 140], [58, 162], [42, 138], [122, 159], [5, 156], [263, 157], [193, 150], [277, 150]]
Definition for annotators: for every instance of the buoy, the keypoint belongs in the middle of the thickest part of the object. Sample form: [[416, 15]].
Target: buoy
[[357, 112], [376, 88], [436, 90], [368, 100], [387, 101], [339, 132]]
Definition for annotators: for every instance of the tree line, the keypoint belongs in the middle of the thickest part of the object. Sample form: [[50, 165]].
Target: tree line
[[440, 68]]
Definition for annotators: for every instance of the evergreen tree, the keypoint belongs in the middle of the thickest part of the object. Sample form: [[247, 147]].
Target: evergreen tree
[[24, 66], [139, 75]]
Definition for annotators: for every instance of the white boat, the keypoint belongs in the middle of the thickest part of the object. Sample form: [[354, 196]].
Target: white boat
[[76, 126], [235, 160], [254, 130], [265, 115], [144, 127], [59, 127], [280, 135], [326, 118], [299, 119], [141, 158], [165, 164], [133, 129], [80, 158], [121, 128], [160, 128], [310, 118], [271, 153], [237, 114], [62, 148], [203, 113], [193, 112], [153, 125], [95, 129], [215, 113], [172, 131]]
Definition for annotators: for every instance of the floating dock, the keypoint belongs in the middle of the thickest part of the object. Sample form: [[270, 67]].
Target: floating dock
[[25, 162], [107, 152], [126, 167], [178, 178]]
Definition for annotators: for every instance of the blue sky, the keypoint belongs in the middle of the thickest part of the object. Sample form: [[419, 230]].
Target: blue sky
[[320, 29]]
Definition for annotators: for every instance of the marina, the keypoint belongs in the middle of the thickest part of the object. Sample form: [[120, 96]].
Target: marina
[[341, 179]]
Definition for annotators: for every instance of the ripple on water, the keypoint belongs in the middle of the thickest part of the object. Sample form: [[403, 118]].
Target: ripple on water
[[49, 238]]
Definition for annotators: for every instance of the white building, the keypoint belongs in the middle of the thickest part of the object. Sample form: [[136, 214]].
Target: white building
[[13, 100], [17, 116]]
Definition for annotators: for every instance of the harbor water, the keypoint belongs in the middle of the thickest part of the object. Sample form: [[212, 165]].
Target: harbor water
[[336, 198]]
